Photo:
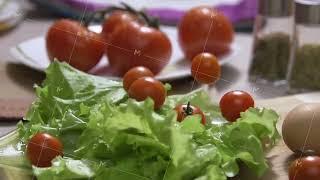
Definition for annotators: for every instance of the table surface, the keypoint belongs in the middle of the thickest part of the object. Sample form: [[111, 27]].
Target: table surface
[[280, 157]]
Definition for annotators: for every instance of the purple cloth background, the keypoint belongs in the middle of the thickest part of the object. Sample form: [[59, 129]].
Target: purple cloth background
[[244, 10]]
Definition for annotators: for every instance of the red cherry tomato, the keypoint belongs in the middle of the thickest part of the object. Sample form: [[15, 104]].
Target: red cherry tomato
[[134, 74], [70, 42], [146, 87], [134, 44], [306, 168], [42, 148], [116, 19], [205, 29], [205, 68], [235, 102], [183, 112]]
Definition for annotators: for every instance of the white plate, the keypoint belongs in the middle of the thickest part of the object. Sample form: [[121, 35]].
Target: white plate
[[33, 54]]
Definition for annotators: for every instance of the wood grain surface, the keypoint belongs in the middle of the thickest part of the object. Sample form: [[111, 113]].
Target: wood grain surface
[[13, 109], [279, 157]]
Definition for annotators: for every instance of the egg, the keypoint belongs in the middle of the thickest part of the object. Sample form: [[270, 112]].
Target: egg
[[301, 128]]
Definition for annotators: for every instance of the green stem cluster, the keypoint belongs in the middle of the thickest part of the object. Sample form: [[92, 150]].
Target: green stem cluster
[[101, 14]]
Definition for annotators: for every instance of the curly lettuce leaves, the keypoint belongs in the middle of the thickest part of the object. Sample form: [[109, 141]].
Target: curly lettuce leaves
[[128, 137], [243, 140], [106, 135], [62, 101]]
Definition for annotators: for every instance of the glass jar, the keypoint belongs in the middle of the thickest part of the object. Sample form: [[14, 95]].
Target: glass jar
[[304, 73], [10, 14], [273, 37]]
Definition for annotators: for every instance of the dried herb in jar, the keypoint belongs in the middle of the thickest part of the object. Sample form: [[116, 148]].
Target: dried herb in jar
[[271, 56], [306, 68]]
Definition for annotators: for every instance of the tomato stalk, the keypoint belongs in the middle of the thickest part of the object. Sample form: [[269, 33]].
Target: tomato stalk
[[188, 110], [100, 15]]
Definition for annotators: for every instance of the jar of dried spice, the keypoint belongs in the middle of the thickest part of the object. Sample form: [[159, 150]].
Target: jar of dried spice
[[304, 73], [273, 37]]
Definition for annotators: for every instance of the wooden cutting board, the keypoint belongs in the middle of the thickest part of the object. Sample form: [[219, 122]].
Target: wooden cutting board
[[14, 109], [279, 157]]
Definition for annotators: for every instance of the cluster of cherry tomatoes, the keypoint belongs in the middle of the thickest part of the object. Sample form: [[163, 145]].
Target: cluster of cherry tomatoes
[[231, 106], [140, 84], [126, 39], [131, 38]]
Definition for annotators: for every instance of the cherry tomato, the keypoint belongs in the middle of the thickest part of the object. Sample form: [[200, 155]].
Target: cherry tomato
[[70, 42], [116, 19], [183, 112], [205, 68], [134, 74], [306, 168], [133, 44], [42, 148], [235, 102], [146, 87], [205, 29]]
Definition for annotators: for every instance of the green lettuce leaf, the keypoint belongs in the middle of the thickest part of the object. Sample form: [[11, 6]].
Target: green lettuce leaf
[[66, 168], [62, 101], [107, 135], [244, 140]]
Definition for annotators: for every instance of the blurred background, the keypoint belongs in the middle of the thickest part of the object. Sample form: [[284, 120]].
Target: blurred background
[[31, 19]]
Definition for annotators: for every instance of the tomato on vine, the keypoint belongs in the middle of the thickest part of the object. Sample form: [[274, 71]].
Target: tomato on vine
[[116, 19], [134, 44], [134, 39], [71, 42]]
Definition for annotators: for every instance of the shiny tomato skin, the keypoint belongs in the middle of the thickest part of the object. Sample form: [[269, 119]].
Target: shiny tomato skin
[[134, 74], [134, 44], [146, 87], [181, 112], [235, 102], [116, 19], [205, 68], [42, 148], [205, 29], [70, 42], [305, 168]]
